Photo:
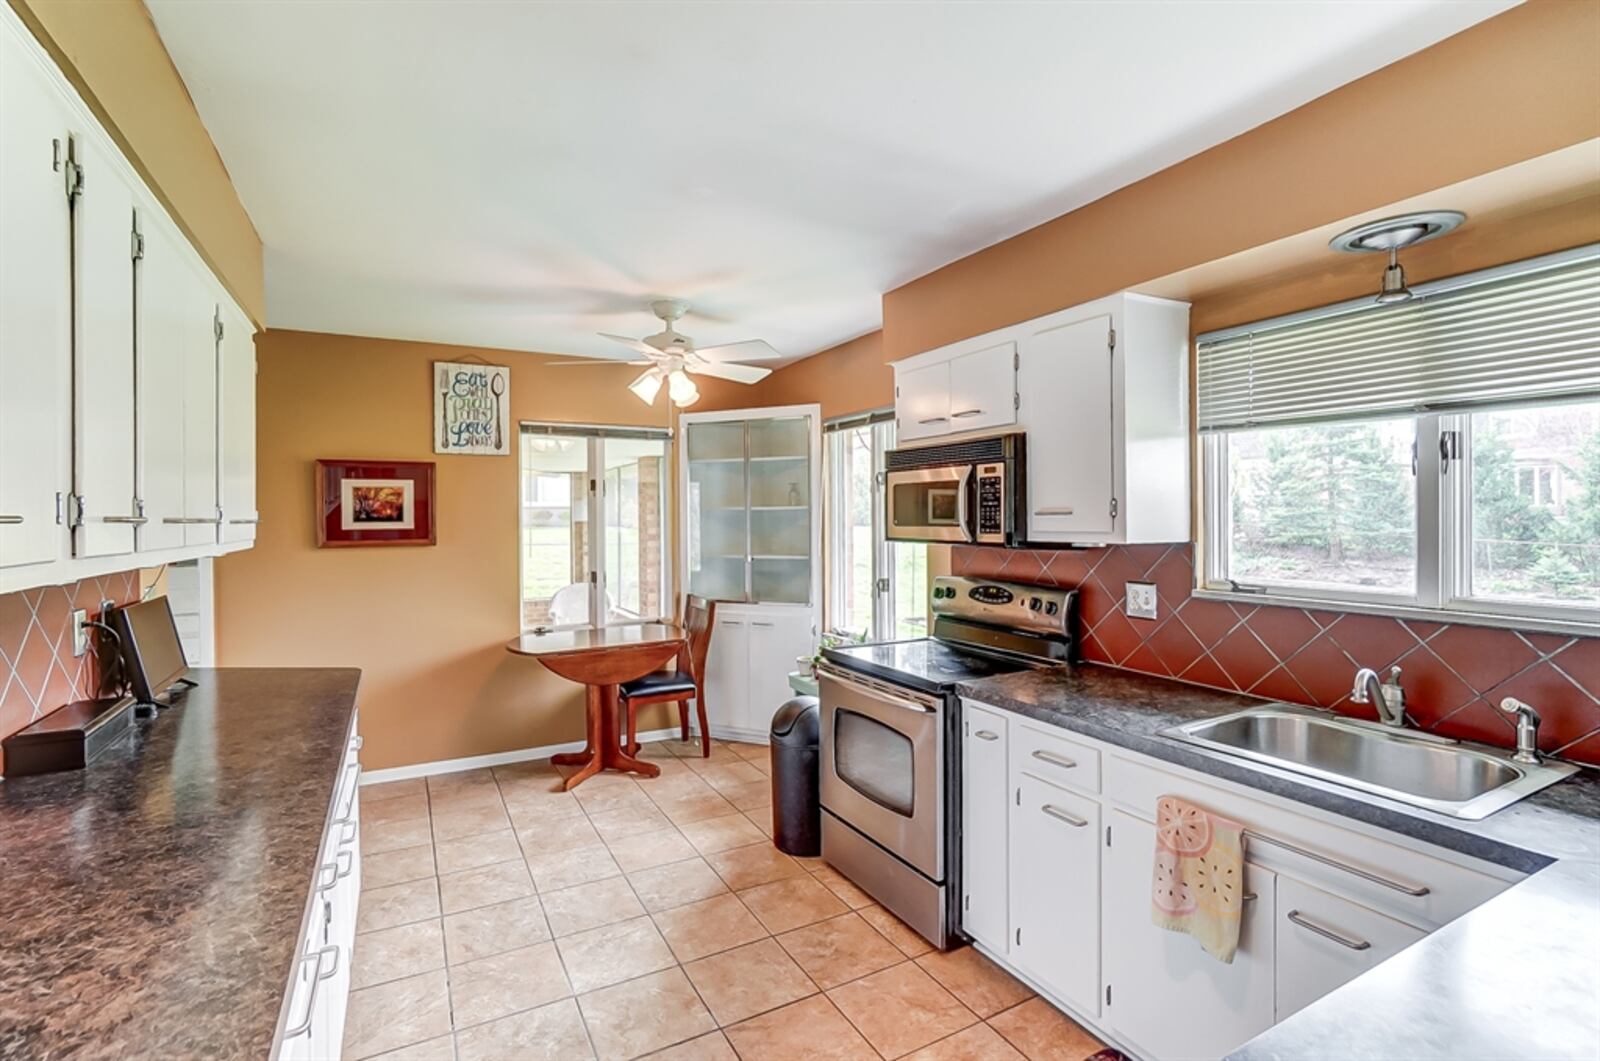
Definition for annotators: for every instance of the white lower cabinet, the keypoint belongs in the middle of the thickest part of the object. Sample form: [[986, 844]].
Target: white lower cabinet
[[1057, 848], [1055, 890], [753, 649], [1323, 941], [984, 787], [312, 1024], [1169, 998]]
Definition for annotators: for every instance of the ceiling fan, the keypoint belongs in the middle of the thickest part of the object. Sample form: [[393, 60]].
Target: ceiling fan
[[672, 358]]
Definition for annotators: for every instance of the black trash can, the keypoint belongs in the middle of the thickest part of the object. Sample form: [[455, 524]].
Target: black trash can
[[796, 807]]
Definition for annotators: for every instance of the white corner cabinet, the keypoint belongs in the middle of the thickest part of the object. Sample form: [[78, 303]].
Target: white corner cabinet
[[751, 539], [1101, 392], [1057, 847], [127, 372]]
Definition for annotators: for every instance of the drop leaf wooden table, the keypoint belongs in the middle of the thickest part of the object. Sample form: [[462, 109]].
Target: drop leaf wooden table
[[600, 660]]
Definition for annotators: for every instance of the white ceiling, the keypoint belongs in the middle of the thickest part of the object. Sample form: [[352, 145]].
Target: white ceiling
[[523, 175]]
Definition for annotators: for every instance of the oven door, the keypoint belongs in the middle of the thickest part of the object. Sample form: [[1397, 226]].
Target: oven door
[[883, 765], [929, 504]]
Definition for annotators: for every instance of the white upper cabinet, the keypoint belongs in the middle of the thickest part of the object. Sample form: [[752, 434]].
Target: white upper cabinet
[[237, 361], [955, 389], [1068, 408], [35, 308], [171, 322], [123, 416], [983, 388], [1101, 392], [922, 401], [104, 511]]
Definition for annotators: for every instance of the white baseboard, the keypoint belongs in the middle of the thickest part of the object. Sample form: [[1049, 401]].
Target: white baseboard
[[478, 762]]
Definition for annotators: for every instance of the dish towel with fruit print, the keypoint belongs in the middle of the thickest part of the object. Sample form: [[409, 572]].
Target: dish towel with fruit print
[[1199, 876]]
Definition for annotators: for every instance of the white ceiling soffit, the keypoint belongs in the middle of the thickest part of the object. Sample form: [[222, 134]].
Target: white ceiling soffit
[[523, 175]]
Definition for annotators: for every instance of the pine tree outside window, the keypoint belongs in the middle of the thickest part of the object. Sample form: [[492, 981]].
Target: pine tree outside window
[[1439, 457]]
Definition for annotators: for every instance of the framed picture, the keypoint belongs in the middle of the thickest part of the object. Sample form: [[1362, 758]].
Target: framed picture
[[374, 503], [471, 408]]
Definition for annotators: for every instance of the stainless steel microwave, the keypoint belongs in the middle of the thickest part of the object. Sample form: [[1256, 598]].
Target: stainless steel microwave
[[966, 491]]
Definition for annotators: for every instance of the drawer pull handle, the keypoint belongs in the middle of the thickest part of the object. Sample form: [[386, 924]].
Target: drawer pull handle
[[10, 521], [133, 521], [1063, 816], [1249, 897], [1415, 890], [934, 420], [347, 832], [966, 412], [245, 522], [311, 996], [1053, 759], [355, 787], [985, 734], [1327, 933], [193, 520]]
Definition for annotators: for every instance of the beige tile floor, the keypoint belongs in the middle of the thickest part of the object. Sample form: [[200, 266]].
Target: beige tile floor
[[504, 919]]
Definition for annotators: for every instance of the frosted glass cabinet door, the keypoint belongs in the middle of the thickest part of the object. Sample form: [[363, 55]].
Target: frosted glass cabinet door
[[718, 514], [780, 510]]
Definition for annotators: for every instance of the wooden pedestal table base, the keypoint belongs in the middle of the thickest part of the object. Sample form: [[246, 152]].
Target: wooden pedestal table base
[[600, 660]]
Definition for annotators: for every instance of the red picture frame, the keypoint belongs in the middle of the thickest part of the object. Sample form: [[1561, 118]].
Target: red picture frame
[[374, 503]]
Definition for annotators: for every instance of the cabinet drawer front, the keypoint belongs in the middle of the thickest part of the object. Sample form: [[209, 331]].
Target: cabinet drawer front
[[1324, 941], [1343, 861], [1038, 750]]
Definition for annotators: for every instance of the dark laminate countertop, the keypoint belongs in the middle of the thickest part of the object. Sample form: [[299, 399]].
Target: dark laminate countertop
[[153, 901], [1518, 977]]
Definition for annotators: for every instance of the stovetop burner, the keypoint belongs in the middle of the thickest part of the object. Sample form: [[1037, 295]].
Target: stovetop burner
[[927, 663]]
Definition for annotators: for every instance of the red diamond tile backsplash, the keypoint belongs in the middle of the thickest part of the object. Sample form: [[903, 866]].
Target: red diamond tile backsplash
[[38, 672], [1453, 675]]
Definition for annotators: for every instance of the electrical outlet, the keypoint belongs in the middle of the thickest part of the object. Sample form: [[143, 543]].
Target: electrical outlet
[[80, 633], [1141, 602]]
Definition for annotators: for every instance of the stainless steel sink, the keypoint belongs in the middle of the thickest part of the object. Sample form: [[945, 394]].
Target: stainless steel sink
[[1435, 773]]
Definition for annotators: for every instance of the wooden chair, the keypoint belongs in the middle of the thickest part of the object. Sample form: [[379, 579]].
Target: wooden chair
[[677, 685]]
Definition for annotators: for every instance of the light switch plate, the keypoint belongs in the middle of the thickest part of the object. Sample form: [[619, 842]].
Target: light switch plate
[[1141, 602], [80, 636]]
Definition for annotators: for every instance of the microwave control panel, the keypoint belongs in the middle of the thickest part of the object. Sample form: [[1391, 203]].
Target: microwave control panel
[[991, 528]]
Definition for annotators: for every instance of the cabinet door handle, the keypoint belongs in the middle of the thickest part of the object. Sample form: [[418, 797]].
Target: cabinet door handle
[[246, 522], [966, 412], [758, 622], [1415, 890], [10, 521], [1053, 759], [186, 520], [934, 420], [1063, 816], [1057, 510], [1327, 933], [311, 996], [986, 734], [134, 521]]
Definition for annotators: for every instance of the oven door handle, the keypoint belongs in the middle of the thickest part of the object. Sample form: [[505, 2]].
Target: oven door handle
[[880, 691]]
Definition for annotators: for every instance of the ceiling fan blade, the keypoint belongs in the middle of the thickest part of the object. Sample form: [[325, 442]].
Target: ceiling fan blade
[[593, 362], [748, 350], [736, 373], [632, 344]]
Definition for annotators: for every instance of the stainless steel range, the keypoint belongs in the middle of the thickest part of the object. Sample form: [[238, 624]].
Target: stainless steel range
[[890, 747]]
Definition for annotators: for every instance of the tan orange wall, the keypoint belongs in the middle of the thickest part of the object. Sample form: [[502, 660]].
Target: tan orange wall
[[1516, 86], [113, 54], [426, 625]]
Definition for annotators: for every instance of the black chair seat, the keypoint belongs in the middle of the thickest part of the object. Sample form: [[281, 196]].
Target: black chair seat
[[659, 683]]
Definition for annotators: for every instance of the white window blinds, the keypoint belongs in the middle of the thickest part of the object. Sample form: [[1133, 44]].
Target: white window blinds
[[1529, 332]]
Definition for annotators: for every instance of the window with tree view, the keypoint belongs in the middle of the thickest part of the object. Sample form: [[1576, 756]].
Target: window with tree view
[[877, 589], [1440, 454]]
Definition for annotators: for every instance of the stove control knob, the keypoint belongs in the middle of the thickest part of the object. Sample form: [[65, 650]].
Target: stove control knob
[[1034, 604], [1050, 608]]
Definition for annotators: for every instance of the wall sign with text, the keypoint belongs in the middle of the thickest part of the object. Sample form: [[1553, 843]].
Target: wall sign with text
[[471, 408]]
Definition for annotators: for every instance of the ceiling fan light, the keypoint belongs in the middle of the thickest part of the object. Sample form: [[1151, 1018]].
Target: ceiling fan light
[[681, 387], [647, 386]]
